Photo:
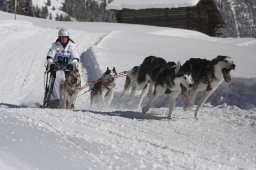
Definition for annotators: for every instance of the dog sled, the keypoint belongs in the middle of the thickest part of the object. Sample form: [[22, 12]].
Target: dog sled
[[49, 81]]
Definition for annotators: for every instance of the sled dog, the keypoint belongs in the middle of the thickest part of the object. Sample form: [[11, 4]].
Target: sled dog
[[69, 89], [131, 82], [143, 76], [170, 81], [103, 90], [208, 75]]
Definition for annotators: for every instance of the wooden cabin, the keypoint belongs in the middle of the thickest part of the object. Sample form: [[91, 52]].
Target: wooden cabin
[[203, 16]]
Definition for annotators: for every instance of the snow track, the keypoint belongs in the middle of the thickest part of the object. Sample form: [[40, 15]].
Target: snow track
[[113, 140]]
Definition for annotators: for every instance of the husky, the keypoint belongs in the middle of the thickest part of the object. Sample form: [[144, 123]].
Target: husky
[[208, 75], [103, 90], [131, 82], [69, 89], [143, 76], [170, 81], [148, 69]]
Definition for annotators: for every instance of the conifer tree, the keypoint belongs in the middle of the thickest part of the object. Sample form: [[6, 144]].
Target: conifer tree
[[49, 3]]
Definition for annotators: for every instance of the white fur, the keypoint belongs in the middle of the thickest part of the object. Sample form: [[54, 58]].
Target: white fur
[[68, 92], [159, 90], [105, 94], [134, 85], [104, 98], [202, 87]]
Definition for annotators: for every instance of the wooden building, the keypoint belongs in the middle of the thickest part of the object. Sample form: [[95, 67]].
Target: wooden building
[[203, 16]]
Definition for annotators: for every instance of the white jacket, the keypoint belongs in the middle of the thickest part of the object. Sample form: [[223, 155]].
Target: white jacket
[[62, 56]]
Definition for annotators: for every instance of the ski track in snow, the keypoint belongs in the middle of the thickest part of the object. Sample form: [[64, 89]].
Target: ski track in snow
[[150, 141]]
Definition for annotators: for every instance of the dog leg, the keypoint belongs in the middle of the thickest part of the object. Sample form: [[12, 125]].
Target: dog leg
[[157, 92], [205, 96], [146, 108], [94, 99], [110, 97], [150, 90], [102, 98], [127, 85], [142, 95], [65, 101], [173, 97], [122, 95], [70, 104], [191, 99], [132, 94]]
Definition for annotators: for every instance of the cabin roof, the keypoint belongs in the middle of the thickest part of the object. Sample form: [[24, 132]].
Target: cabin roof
[[145, 4]]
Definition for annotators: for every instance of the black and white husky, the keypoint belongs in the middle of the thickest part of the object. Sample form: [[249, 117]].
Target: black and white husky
[[207, 75], [142, 77], [169, 80], [131, 82], [103, 90]]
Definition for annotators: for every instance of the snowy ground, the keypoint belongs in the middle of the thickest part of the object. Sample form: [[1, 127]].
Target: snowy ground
[[116, 138]]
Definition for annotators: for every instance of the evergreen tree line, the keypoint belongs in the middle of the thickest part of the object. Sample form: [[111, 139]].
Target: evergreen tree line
[[239, 15], [89, 10], [25, 7]]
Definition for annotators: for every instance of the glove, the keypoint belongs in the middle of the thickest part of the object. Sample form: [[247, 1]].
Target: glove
[[51, 67], [70, 67]]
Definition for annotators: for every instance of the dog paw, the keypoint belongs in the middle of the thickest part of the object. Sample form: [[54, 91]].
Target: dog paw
[[196, 116], [145, 109], [169, 117], [187, 107]]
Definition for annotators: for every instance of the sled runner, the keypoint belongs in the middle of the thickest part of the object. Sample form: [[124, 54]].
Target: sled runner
[[49, 84]]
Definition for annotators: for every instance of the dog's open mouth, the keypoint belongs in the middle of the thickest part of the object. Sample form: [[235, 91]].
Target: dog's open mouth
[[184, 92], [226, 74], [73, 81]]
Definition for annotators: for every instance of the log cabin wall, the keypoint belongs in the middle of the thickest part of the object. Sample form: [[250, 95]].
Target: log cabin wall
[[159, 17], [203, 17]]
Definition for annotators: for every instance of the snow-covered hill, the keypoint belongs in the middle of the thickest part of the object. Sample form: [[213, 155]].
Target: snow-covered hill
[[118, 137], [54, 8]]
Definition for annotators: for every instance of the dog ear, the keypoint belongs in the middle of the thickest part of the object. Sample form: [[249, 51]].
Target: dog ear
[[177, 69], [114, 70]]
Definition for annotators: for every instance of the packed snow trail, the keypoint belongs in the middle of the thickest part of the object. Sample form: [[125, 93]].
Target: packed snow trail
[[223, 138]]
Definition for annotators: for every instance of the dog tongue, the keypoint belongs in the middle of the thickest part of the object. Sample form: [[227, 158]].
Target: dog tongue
[[184, 92], [227, 76]]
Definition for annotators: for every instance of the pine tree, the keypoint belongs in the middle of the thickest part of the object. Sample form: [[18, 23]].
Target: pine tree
[[45, 12], [57, 17], [61, 17], [6, 5], [50, 17], [67, 18], [28, 8], [48, 3]]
